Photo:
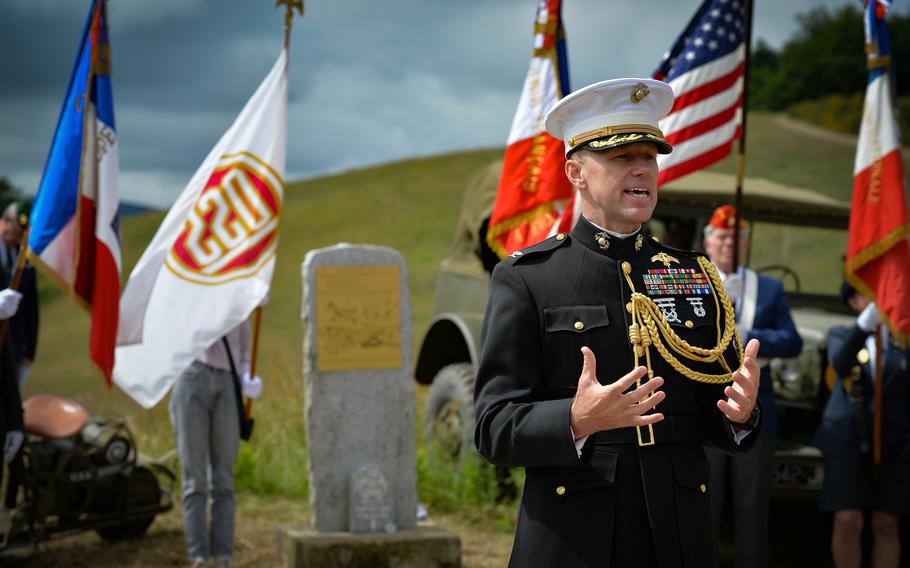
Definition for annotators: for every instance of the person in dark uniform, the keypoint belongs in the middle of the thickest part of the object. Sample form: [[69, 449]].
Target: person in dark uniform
[[762, 312], [23, 327], [608, 360], [12, 427], [852, 484]]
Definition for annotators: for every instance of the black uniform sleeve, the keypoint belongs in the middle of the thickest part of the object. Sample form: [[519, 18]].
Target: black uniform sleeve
[[517, 424], [10, 399]]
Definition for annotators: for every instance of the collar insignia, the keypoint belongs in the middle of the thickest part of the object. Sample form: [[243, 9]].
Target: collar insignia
[[603, 240], [639, 240], [665, 258]]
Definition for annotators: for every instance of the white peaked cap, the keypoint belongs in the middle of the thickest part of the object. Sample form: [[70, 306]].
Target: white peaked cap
[[612, 113]]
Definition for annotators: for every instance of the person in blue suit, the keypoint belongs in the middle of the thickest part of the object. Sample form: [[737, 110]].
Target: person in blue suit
[[852, 484], [762, 313]]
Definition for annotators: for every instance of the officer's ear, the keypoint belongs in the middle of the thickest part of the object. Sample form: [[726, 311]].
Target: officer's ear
[[575, 169]]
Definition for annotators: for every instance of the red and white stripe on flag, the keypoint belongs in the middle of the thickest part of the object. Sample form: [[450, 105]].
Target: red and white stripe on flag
[[533, 187], [878, 256], [706, 69]]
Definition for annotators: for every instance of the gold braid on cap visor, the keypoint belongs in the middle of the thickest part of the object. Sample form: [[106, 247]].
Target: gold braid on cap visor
[[650, 327], [633, 131]]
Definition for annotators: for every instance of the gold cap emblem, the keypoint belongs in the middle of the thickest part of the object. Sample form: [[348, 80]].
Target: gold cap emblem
[[639, 92]]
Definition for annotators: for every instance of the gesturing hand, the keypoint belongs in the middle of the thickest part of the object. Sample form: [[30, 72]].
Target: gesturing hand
[[600, 407], [742, 394]]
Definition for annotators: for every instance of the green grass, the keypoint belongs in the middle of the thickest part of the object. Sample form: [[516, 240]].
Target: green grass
[[784, 156], [411, 206]]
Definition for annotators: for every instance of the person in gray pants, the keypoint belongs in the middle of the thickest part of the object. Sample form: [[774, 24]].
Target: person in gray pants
[[205, 418]]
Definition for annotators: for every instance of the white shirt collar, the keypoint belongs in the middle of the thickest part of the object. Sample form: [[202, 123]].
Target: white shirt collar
[[614, 233]]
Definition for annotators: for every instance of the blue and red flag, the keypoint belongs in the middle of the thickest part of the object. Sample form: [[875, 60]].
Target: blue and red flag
[[706, 69], [878, 257], [74, 234]]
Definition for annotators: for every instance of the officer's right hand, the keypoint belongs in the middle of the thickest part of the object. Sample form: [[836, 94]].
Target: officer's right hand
[[598, 407]]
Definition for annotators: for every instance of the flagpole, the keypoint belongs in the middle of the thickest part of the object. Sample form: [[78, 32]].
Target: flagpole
[[257, 321], [289, 7], [741, 157], [17, 278]]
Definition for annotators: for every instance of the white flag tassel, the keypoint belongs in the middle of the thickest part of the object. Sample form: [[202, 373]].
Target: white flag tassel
[[210, 264]]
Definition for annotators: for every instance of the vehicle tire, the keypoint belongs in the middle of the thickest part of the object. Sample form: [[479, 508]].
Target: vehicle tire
[[142, 490], [449, 420]]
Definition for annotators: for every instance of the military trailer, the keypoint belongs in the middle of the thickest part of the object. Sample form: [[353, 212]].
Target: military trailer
[[797, 235]]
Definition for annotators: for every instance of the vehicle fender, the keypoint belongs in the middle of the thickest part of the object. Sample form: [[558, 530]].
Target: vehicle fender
[[451, 338]]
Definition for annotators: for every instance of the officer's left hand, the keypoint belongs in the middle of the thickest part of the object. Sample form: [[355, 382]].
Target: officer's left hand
[[743, 393]]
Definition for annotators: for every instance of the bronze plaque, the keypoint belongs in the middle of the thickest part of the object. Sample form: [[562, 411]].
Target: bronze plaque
[[358, 318]]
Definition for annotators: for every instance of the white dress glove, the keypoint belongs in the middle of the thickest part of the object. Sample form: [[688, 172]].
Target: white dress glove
[[12, 444], [734, 287], [252, 386], [868, 319], [9, 303]]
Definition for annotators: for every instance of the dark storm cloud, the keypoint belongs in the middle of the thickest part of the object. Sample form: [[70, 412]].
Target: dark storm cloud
[[369, 81]]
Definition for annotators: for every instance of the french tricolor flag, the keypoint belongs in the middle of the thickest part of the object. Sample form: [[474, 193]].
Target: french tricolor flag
[[74, 234], [878, 256]]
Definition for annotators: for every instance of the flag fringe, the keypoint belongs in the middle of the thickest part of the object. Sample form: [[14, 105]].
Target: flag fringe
[[507, 225]]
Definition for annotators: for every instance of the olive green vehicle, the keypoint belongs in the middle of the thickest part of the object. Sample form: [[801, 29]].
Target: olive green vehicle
[[798, 236]]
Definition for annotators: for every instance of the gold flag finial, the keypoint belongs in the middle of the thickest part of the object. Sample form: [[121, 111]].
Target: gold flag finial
[[289, 6]]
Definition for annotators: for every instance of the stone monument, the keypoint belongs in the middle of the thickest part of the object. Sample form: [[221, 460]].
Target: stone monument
[[359, 413]]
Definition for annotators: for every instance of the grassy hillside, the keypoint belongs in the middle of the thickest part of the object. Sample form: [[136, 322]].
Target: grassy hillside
[[411, 206]]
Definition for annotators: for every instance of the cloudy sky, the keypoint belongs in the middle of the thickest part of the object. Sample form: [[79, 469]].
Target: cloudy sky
[[370, 81]]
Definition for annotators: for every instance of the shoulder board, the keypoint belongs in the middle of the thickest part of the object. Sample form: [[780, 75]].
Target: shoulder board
[[552, 243], [684, 252]]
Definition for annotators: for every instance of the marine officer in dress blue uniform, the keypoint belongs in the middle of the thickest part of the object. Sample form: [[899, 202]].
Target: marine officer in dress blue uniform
[[852, 484], [608, 360]]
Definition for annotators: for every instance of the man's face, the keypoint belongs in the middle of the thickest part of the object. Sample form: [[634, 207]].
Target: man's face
[[618, 187], [719, 246], [10, 231]]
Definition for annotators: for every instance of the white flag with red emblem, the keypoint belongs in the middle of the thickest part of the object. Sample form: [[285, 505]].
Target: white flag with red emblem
[[210, 264]]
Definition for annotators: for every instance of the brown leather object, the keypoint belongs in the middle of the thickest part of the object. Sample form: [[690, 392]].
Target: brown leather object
[[53, 417]]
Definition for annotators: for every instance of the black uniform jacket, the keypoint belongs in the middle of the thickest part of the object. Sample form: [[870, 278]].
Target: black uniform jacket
[[11, 417], [23, 327], [620, 504]]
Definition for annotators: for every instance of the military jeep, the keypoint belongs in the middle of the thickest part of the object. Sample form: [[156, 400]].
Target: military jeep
[[797, 235]]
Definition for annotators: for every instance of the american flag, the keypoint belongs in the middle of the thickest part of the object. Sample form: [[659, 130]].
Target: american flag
[[706, 68]]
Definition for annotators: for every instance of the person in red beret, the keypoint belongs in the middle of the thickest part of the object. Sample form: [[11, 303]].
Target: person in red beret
[[762, 313]]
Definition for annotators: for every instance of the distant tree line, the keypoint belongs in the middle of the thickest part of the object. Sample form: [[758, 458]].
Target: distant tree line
[[8, 192], [825, 57], [820, 74]]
